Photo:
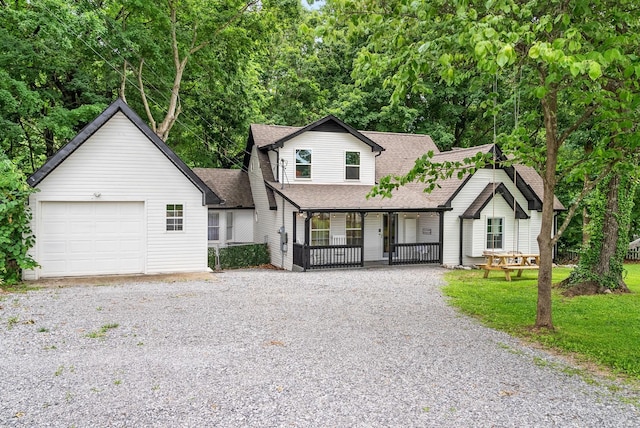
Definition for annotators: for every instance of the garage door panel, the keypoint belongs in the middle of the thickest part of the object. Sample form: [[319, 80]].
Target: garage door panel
[[130, 226], [91, 238], [82, 227], [55, 227], [107, 226], [53, 249]]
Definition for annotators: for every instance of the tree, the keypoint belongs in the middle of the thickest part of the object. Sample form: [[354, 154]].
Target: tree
[[49, 82], [577, 59], [601, 263]]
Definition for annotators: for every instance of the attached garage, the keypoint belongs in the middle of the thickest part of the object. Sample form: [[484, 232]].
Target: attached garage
[[91, 238], [106, 204]]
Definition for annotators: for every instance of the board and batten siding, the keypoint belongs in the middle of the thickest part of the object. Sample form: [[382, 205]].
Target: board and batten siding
[[328, 158], [119, 163]]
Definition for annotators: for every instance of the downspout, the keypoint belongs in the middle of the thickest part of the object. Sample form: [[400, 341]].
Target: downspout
[[283, 239]]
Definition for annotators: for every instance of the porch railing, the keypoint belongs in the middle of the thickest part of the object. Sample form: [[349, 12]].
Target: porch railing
[[327, 256], [415, 253], [337, 256]]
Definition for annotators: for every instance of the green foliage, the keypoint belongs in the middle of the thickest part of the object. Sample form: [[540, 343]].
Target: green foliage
[[589, 269], [240, 256], [600, 328], [15, 229]]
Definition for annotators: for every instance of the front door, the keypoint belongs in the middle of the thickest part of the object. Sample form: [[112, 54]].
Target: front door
[[389, 232]]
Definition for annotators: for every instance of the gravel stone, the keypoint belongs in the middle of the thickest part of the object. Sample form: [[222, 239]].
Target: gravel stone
[[376, 347]]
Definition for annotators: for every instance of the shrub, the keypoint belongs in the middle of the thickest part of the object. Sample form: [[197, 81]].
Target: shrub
[[16, 237], [240, 256]]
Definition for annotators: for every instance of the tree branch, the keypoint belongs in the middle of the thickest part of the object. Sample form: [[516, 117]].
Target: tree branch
[[152, 121], [588, 187], [586, 115]]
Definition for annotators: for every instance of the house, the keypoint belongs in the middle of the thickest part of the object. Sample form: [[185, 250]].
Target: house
[[310, 186], [117, 200]]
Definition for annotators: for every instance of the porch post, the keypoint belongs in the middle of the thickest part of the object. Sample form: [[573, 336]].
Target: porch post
[[441, 234], [389, 235], [306, 250]]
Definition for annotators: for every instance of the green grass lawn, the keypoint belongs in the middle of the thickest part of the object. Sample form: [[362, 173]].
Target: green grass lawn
[[604, 329]]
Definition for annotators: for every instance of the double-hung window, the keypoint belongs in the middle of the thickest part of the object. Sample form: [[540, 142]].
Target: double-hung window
[[352, 165], [303, 163], [495, 235], [229, 236], [320, 228], [354, 229], [175, 217], [213, 229]]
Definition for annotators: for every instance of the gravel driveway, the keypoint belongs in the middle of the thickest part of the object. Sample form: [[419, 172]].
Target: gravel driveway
[[374, 347]]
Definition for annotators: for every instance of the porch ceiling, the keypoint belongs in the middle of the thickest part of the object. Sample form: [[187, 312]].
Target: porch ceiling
[[311, 197]]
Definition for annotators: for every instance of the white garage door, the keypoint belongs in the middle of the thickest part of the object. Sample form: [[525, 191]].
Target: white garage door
[[91, 238]]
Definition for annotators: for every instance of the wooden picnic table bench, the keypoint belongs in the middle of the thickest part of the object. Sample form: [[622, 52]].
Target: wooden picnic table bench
[[509, 262]]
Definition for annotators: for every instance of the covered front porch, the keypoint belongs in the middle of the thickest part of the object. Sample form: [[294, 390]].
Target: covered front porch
[[342, 239]]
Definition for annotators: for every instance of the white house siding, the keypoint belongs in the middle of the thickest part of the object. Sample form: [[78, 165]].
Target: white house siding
[[119, 164], [328, 158], [268, 221], [471, 190]]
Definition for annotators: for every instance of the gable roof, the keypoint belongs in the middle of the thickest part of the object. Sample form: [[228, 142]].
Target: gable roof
[[208, 196], [328, 123], [399, 156], [231, 185], [489, 192]]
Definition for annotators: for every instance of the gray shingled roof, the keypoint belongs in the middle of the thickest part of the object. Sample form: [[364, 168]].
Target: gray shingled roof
[[231, 185], [534, 180], [353, 197], [399, 156]]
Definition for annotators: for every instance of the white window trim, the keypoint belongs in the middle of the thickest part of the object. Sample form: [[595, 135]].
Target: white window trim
[[486, 234], [175, 217], [295, 162], [229, 225], [210, 227], [328, 230], [347, 165], [350, 229]]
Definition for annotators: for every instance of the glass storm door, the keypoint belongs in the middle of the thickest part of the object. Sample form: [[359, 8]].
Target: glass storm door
[[389, 231]]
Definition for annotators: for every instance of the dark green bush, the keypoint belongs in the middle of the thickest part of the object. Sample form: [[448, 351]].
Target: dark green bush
[[240, 256]]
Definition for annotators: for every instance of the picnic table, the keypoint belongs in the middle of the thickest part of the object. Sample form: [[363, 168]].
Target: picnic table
[[509, 262]]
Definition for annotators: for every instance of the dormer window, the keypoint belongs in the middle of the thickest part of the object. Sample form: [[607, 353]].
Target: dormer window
[[352, 165], [303, 163]]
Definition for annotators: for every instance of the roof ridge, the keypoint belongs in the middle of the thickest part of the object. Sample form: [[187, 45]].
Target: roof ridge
[[396, 133]]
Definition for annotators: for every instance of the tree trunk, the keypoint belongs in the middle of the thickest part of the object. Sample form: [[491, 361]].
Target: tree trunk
[[545, 238], [49, 143], [609, 228]]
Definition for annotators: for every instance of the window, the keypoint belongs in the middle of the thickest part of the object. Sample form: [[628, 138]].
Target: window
[[229, 226], [303, 163], [213, 229], [494, 233], [354, 229], [175, 217], [320, 225], [352, 162]]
